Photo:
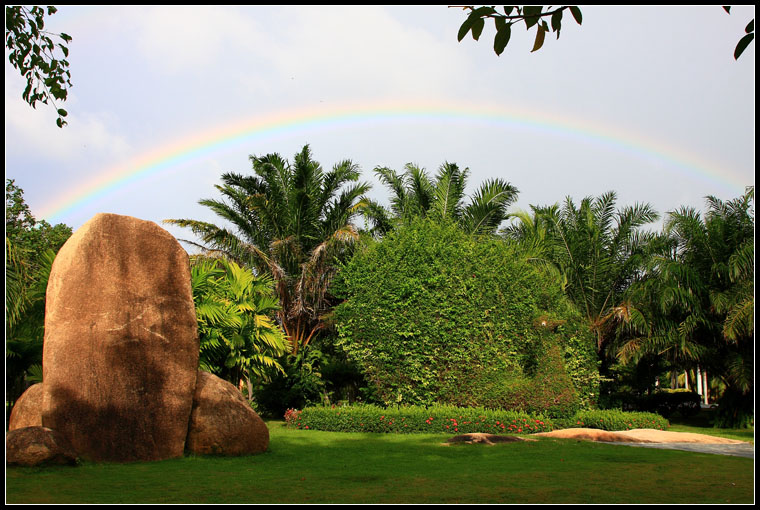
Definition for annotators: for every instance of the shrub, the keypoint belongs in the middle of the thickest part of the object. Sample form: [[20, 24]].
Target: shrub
[[415, 419], [434, 316], [458, 420], [614, 420], [667, 402]]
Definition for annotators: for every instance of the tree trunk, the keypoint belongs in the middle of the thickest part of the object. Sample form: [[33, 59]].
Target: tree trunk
[[699, 381]]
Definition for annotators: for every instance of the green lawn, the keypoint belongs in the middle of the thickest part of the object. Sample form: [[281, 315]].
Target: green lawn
[[702, 423], [304, 466]]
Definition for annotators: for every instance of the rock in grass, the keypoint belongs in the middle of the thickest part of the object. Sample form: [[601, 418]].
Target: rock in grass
[[37, 446], [27, 411], [222, 422], [120, 353]]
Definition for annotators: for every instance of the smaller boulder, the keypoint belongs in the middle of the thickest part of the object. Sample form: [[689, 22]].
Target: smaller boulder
[[222, 422], [38, 446], [27, 411]]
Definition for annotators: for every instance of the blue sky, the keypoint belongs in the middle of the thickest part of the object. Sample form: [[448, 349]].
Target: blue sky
[[646, 101]]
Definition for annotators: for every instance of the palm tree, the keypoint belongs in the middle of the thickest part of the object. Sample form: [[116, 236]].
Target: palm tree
[[696, 300], [415, 194], [595, 248], [238, 339], [26, 285], [291, 221]]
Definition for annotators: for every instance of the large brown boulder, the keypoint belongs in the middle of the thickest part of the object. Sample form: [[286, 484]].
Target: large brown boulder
[[37, 446], [120, 354], [222, 421], [27, 411]]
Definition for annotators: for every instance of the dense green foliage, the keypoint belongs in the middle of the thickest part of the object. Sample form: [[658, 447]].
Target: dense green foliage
[[415, 194], [239, 339], [694, 305], [595, 248], [458, 420], [290, 221], [30, 248], [433, 315]]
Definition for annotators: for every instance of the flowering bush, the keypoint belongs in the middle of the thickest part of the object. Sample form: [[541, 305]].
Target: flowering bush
[[416, 419], [613, 419], [293, 418], [457, 420]]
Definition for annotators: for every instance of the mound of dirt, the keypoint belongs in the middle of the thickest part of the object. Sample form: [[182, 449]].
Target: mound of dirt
[[636, 436], [479, 437]]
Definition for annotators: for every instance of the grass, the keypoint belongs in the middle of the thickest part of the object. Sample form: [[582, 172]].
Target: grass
[[304, 466], [702, 423]]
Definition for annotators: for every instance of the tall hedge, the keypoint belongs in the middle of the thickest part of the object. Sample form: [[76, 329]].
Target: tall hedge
[[433, 315]]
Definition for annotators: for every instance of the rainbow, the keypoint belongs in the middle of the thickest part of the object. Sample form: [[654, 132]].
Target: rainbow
[[187, 149]]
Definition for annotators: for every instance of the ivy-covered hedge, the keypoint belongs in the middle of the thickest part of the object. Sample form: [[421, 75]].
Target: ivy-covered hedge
[[456, 420], [435, 316]]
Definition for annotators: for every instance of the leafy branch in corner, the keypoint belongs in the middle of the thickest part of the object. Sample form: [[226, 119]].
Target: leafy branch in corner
[[33, 53], [531, 15], [749, 32]]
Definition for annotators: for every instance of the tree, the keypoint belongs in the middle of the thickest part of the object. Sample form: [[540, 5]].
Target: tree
[[293, 222], [33, 53], [749, 36], [535, 15], [29, 236], [238, 339], [696, 300], [415, 194], [30, 248], [595, 248], [531, 15]]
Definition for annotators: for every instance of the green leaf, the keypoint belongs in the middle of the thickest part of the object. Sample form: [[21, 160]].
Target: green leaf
[[576, 12], [531, 14], [477, 28], [540, 35], [62, 112], [502, 38], [557, 22], [743, 43], [481, 12], [466, 27], [750, 27], [727, 8]]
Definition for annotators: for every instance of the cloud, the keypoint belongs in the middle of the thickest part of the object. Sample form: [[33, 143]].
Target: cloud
[[185, 38], [362, 51], [87, 138], [311, 53]]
